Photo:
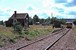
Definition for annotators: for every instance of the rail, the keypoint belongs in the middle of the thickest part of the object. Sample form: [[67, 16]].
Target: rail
[[51, 45], [56, 31]]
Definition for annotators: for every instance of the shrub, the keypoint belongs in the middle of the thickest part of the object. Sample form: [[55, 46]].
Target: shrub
[[12, 40], [57, 24], [17, 26], [26, 32]]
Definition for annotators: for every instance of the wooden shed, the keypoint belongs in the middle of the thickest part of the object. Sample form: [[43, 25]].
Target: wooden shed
[[22, 18]]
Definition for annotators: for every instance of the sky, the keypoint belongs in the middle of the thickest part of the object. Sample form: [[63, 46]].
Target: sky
[[43, 8]]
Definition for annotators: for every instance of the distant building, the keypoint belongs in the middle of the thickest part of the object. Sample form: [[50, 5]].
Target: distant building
[[23, 18], [69, 20]]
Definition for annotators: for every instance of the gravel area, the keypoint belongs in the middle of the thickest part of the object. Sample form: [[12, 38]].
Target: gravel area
[[65, 43]]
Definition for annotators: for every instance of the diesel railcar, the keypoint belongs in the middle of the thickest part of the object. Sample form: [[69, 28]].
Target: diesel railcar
[[69, 24]]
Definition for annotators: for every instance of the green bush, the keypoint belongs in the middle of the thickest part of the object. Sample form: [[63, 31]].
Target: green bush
[[17, 26], [26, 32], [12, 40], [57, 24]]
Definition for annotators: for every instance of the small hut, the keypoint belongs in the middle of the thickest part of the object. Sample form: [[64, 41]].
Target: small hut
[[22, 18]]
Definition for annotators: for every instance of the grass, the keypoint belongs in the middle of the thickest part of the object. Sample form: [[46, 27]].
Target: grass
[[1, 43], [38, 30], [6, 35], [34, 31], [6, 32]]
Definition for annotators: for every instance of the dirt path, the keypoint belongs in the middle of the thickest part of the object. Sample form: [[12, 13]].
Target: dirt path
[[66, 43]]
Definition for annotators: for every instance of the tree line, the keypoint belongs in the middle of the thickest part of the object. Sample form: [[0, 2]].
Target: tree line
[[36, 20]]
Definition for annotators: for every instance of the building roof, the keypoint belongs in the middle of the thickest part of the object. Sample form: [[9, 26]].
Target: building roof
[[19, 16]]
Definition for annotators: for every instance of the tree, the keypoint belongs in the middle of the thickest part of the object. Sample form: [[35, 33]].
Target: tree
[[42, 21], [74, 22], [53, 19], [1, 22], [35, 19], [48, 19], [55, 22], [62, 21], [30, 21]]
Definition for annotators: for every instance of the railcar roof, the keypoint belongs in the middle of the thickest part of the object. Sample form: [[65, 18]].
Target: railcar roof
[[69, 22]]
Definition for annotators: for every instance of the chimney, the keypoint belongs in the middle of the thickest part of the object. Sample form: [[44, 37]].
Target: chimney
[[15, 12]]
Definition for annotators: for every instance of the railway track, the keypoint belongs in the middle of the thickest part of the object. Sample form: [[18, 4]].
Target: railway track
[[51, 45], [57, 35]]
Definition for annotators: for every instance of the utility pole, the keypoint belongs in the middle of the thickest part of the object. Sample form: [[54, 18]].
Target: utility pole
[[52, 20]]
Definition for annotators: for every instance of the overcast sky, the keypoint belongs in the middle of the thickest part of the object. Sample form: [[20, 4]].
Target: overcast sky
[[43, 8]]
